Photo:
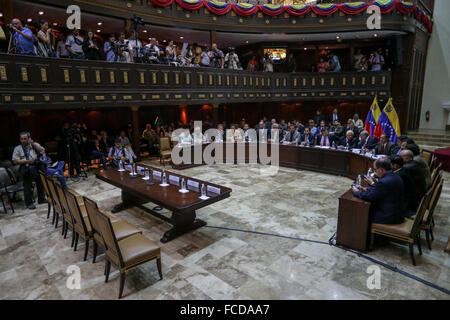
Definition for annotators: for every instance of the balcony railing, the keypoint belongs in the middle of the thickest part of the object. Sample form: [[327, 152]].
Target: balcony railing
[[35, 83]]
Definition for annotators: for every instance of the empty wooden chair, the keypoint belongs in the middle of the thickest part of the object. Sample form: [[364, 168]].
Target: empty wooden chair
[[128, 253], [427, 223], [165, 152], [408, 231], [67, 218], [56, 201], [47, 192], [122, 229], [428, 156]]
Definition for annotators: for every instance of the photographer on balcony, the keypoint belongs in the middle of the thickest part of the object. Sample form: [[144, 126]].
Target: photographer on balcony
[[74, 44], [135, 48], [232, 59], [152, 52], [109, 47], [23, 38], [122, 50], [46, 40], [90, 47], [216, 57]]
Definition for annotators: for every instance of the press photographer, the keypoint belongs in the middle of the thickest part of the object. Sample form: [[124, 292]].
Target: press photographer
[[232, 59], [27, 156], [216, 57], [72, 140], [121, 50], [109, 49], [152, 52]]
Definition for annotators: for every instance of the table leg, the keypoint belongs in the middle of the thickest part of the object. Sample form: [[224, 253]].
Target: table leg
[[128, 201], [182, 223]]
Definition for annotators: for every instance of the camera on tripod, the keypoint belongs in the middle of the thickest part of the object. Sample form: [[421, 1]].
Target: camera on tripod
[[137, 21], [10, 26]]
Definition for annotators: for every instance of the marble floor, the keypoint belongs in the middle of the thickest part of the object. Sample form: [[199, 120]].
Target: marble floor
[[213, 263]]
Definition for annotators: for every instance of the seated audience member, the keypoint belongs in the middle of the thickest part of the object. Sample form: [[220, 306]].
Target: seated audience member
[[291, 136], [321, 127], [312, 127], [358, 122], [417, 177], [322, 65], [118, 152], [131, 154], [248, 135], [300, 127], [123, 138], [385, 147], [185, 137], [425, 169], [337, 130], [23, 38], [307, 139], [104, 143], [26, 155], [275, 134], [411, 204], [351, 126], [349, 141], [333, 117], [220, 135], [91, 151], [198, 136], [324, 139], [386, 196], [366, 142], [262, 133]]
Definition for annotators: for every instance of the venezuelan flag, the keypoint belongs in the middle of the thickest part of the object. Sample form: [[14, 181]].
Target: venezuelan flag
[[389, 123], [372, 117]]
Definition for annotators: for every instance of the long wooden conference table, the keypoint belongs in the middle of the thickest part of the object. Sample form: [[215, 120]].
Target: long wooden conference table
[[136, 191], [353, 214]]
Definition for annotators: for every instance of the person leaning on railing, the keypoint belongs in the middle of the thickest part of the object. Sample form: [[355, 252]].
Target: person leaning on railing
[[23, 38]]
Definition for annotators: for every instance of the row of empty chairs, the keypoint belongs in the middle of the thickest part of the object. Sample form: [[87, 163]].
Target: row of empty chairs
[[123, 244], [409, 231]]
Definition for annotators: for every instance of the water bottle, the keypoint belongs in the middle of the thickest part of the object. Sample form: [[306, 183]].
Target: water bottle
[[164, 179], [373, 153], [358, 181], [183, 184], [120, 165], [369, 173], [334, 145], [203, 190], [147, 174], [133, 169], [307, 142]]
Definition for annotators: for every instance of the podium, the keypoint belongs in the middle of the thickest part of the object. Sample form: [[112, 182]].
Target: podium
[[353, 222]]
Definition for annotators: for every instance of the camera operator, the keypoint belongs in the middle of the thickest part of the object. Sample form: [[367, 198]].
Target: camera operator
[[46, 40], [122, 51], [119, 152], [171, 54], [152, 52], [27, 156], [134, 47], [72, 139], [23, 38], [109, 47], [232, 59], [216, 57]]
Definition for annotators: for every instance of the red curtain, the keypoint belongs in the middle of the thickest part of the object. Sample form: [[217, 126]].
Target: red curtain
[[220, 11], [244, 12], [162, 3], [271, 12], [190, 6]]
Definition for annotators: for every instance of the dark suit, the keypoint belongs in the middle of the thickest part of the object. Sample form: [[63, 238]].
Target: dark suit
[[418, 181], [331, 118], [355, 131], [328, 139], [389, 149], [386, 198], [351, 144], [300, 129], [303, 138], [370, 143], [317, 119], [411, 203]]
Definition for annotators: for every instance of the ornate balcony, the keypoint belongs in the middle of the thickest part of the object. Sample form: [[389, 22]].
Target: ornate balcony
[[41, 83]]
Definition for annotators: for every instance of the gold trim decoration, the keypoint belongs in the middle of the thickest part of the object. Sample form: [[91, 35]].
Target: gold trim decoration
[[24, 72], [99, 97], [142, 77], [177, 78], [363, 81], [313, 82], [7, 98], [156, 96], [125, 76], [235, 80], [27, 98], [178, 96], [127, 97], [353, 81], [322, 81], [245, 81], [66, 76], [344, 81], [220, 79], [44, 75], [256, 81], [188, 78], [362, 93], [46, 98], [112, 77], [373, 80], [114, 97], [85, 98], [3, 75], [143, 96], [295, 82], [154, 78], [69, 98], [285, 82], [200, 79], [332, 81], [228, 80], [236, 95], [83, 76], [263, 82], [219, 95], [202, 96], [277, 82], [383, 80], [251, 81], [304, 82], [210, 79], [98, 78]]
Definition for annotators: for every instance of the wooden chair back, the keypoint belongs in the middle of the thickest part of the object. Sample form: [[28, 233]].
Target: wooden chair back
[[91, 209], [434, 200], [44, 182], [420, 213], [428, 156], [165, 144], [63, 199], [74, 208], [54, 195], [112, 248]]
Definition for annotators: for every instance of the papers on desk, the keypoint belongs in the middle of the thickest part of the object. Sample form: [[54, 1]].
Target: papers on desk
[[357, 151], [323, 147], [174, 180]]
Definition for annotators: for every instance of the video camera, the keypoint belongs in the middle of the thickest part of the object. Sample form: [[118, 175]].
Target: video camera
[[136, 21]]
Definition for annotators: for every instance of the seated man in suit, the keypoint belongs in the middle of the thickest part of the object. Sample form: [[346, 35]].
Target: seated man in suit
[[349, 141], [300, 127], [307, 138], [425, 169], [411, 203], [385, 147], [275, 134], [333, 117], [312, 127], [291, 136], [366, 142], [351, 126], [417, 177], [321, 126], [262, 134], [386, 196], [324, 139], [337, 130]]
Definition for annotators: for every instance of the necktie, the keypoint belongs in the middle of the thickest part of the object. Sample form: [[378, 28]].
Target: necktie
[[324, 141], [382, 148], [292, 137]]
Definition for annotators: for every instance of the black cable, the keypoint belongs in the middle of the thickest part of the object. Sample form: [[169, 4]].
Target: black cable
[[359, 254]]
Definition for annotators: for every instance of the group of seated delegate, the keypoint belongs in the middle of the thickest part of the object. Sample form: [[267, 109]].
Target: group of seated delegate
[[395, 191]]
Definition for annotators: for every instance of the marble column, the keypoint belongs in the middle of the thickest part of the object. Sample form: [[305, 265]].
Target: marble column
[[212, 37], [136, 131]]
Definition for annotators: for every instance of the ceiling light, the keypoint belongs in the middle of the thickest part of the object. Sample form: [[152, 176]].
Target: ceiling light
[[1, 14], [337, 37], [305, 49], [41, 13], [181, 38], [29, 20], [246, 41], [99, 23], [375, 35], [55, 23], [145, 31], [99, 30]]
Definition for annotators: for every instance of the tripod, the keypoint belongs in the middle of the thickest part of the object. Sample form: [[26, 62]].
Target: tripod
[[81, 173], [12, 46]]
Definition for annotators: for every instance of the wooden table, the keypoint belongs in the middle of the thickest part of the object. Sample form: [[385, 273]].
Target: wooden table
[[136, 192], [353, 222], [331, 161]]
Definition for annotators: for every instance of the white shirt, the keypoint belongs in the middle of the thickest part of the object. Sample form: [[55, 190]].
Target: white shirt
[[185, 138]]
